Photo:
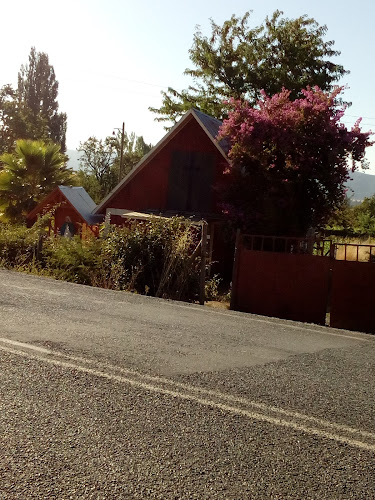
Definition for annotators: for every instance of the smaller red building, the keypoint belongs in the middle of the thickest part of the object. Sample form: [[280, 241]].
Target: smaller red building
[[72, 202]]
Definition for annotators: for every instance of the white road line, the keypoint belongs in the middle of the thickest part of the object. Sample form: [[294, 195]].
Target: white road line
[[26, 346], [207, 402], [196, 389]]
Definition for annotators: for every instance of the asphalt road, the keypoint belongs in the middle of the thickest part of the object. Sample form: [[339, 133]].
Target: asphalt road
[[110, 395]]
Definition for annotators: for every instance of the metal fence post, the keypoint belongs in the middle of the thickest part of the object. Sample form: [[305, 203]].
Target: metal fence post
[[202, 295], [237, 250]]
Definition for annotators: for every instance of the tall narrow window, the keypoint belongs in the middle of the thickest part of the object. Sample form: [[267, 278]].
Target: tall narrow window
[[191, 177]]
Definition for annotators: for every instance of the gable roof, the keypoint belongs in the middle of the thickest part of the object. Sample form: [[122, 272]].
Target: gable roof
[[78, 198], [210, 126]]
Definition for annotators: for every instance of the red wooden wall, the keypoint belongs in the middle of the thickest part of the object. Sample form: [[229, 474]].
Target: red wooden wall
[[64, 210], [148, 189]]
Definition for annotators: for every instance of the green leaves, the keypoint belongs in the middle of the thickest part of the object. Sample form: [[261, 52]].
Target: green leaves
[[237, 61], [100, 162], [31, 111], [28, 175]]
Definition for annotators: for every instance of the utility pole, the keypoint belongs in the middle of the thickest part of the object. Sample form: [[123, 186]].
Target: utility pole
[[122, 151]]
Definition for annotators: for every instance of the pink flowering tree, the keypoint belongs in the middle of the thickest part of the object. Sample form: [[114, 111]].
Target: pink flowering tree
[[290, 160]]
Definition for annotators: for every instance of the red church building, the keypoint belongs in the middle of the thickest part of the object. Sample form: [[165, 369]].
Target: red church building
[[178, 176]]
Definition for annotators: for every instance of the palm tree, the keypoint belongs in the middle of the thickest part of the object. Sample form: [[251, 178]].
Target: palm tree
[[28, 174]]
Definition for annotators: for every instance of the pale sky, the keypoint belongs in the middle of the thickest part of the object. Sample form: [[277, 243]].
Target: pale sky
[[112, 57]]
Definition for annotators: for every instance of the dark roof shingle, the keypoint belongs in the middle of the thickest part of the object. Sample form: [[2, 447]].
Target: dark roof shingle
[[212, 125]]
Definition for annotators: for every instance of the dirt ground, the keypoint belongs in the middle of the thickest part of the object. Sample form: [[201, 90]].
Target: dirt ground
[[217, 304]]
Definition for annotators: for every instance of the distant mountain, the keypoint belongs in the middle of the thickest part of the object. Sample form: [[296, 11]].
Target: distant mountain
[[361, 186], [73, 158]]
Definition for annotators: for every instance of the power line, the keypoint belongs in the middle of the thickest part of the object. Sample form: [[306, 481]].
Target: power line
[[364, 117], [363, 124], [116, 77]]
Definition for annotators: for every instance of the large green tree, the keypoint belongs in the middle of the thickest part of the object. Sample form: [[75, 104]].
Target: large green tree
[[28, 174], [364, 216], [237, 61], [9, 118], [37, 96], [31, 110], [356, 219], [96, 174], [100, 161]]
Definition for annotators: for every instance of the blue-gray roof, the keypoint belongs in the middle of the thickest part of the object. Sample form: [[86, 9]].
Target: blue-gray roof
[[82, 202], [212, 125]]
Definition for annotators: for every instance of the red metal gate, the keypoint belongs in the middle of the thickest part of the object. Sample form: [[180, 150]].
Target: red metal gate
[[353, 296], [279, 277], [302, 280]]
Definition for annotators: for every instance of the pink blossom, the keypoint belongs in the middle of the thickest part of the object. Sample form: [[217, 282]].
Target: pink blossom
[[296, 146]]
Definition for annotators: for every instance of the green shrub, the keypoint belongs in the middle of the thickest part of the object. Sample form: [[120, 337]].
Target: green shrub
[[158, 257], [212, 288], [72, 259], [18, 245], [155, 257]]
